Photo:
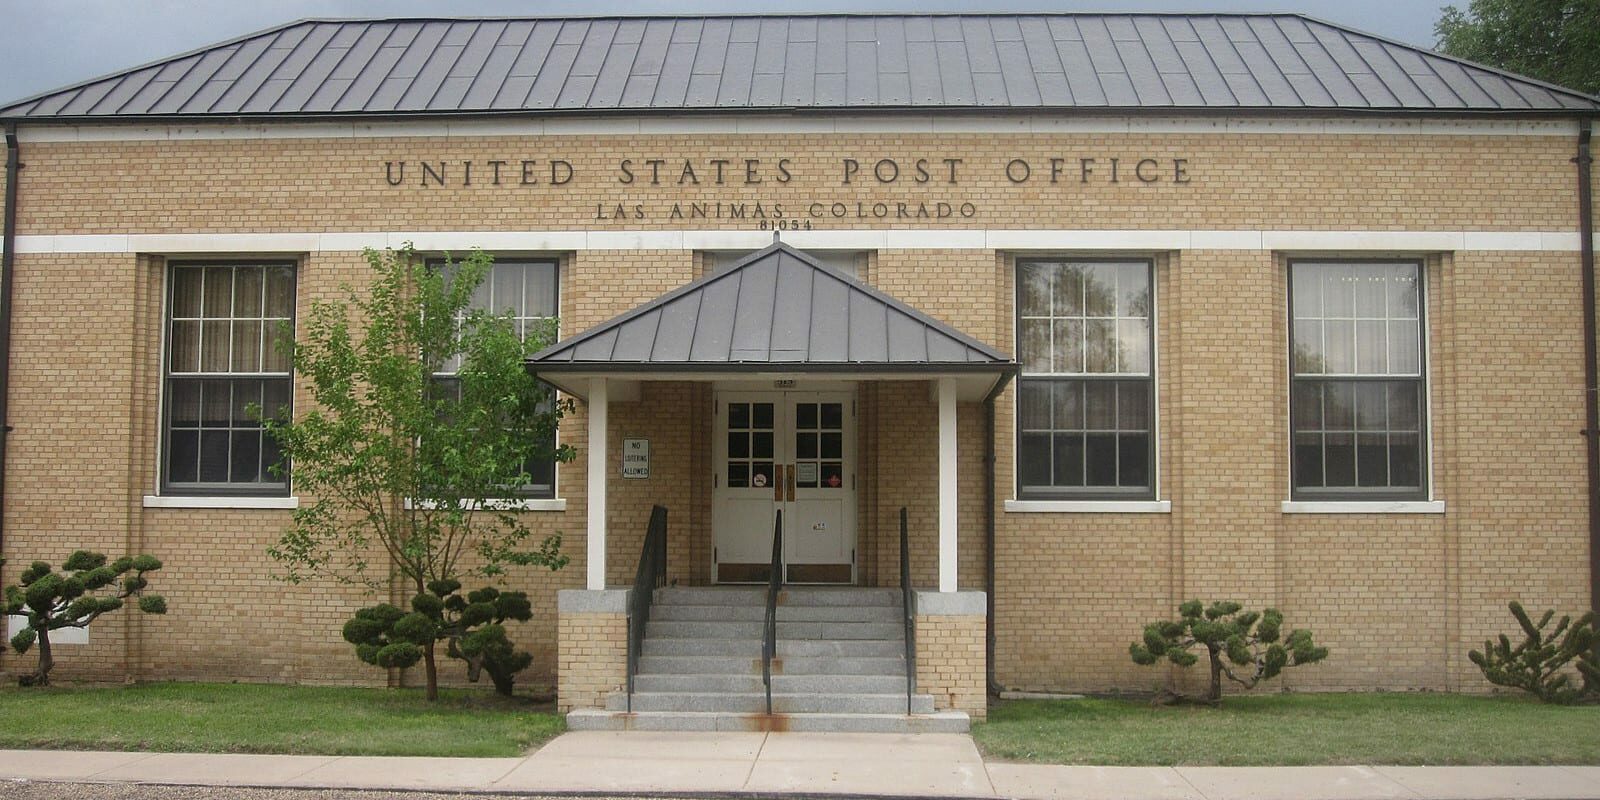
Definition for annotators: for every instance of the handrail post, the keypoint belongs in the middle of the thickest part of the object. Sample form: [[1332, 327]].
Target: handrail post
[[907, 601], [652, 573], [769, 634]]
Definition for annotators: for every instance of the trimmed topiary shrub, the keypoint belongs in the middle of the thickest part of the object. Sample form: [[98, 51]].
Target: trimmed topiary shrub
[[471, 626], [52, 601], [1538, 665], [1231, 638]]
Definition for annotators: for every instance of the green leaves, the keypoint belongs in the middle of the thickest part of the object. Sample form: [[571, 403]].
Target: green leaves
[[1223, 630], [1545, 662], [69, 599], [471, 625], [1552, 40]]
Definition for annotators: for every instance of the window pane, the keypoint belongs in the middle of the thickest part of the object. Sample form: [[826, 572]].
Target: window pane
[[1372, 347], [738, 476], [183, 402], [539, 292], [1403, 297], [1100, 352], [1034, 287], [1034, 403], [214, 456], [1133, 461], [186, 292], [247, 292], [1405, 406], [1339, 459], [1133, 346], [1339, 406], [738, 415], [1069, 290], [1133, 290], [1404, 352], [245, 395], [761, 444], [1307, 406], [246, 457], [1372, 459], [183, 456], [1308, 459], [1035, 345], [1099, 290], [1100, 405], [280, 292], [1338, 291], [1370, 280], [216, 403], [185, 347], [832, 445], [218, 293], [214, 347], [1068, 403], [805, 415], [738, 444], [1068, 459], [1308, 355], [1133, 406], [1068, 346], [275, 399], [1338, 336], [247, 346], [1307, 292], [1100, 456], [761, 415], [805, 445], [1405, 460], [1033, 459], [506, 287], [833, 415], [1372, 406], [276, 354]]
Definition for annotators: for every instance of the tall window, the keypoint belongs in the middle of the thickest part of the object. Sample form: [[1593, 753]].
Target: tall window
[[225, 371], [1085, 394], [526, 291], [1358, 405]]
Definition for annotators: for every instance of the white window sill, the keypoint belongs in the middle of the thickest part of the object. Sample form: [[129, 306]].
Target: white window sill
[[508, 504], [1089, 506], [1363, 507], [162, 501]]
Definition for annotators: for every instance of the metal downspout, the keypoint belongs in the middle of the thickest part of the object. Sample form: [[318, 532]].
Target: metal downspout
[[988, 534], [7, 262], [1585, 160]]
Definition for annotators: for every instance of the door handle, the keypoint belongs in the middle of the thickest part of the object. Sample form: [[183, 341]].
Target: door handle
[[777, 482], [792, 470]]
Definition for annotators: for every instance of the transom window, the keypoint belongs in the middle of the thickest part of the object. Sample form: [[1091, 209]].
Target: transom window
[[226, 369], [1358, 405], [1085, 393], [526, 291]]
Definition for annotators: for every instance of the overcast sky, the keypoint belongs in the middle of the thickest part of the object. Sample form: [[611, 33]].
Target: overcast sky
[[47, 44]]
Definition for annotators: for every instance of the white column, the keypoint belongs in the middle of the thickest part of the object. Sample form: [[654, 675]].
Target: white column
[[947, 484], [597, 484]]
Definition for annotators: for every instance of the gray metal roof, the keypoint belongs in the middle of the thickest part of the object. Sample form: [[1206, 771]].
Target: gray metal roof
[[777, 307], [1144, 62]]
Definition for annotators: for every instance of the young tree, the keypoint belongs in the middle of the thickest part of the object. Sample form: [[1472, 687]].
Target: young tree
[[1247, 639], [52, 601], [472, 626], [1538, 665], [1553, 40], [397, 458]]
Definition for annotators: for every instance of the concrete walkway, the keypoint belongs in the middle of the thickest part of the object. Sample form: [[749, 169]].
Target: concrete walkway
[[927, 765]]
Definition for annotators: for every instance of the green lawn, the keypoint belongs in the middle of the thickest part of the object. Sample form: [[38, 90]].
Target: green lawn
[[1294, 729], [257, 718]]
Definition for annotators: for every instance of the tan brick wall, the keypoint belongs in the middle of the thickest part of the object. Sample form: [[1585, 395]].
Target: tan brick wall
[[950, 657], [1399, 599], [594, 658]]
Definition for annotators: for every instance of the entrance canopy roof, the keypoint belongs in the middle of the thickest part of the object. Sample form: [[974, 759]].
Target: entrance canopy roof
[[778, 314]]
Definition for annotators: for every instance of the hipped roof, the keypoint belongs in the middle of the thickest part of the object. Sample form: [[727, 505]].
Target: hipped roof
[[861, 62]]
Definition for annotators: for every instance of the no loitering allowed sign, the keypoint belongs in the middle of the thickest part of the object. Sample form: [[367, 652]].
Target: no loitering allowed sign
[[636, 458]]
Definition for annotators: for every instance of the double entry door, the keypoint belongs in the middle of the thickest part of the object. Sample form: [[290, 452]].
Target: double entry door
[[792, 451]]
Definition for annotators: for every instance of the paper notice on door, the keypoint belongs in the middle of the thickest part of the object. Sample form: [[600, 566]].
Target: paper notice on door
[[806, 474]]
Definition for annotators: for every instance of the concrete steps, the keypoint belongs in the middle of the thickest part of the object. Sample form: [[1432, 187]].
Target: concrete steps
[[840, 666]]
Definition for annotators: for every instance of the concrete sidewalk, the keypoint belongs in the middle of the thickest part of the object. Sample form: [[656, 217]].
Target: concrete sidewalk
[[927, 765]]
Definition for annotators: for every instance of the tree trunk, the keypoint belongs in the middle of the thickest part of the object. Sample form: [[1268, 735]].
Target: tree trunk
[[47, 661], [1214, 694], [432, 669], [503, 681]]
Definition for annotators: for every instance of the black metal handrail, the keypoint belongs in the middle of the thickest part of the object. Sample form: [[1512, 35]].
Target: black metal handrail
[[907, 605], [652, 573], [769, 635]]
